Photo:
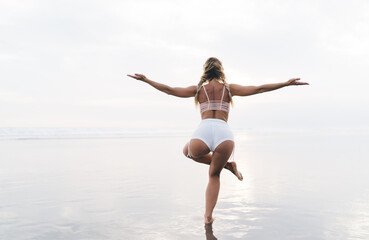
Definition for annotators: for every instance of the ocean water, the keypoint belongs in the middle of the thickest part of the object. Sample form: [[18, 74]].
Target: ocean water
[[114, 184]]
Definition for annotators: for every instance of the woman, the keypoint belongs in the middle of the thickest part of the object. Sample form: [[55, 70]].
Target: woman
[[212, 143]]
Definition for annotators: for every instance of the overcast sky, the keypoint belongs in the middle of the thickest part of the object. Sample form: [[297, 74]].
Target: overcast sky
[[64, 63]]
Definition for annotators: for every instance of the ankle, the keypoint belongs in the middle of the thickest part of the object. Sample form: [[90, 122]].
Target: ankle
[[208, 219], [227, 166]]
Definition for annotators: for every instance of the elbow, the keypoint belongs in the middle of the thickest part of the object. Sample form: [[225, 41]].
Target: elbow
[[168, 90], [259, 90]]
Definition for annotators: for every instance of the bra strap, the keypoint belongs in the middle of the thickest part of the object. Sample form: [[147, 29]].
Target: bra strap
[[221, 101], [207, 97], [223, 93], [206, 93]]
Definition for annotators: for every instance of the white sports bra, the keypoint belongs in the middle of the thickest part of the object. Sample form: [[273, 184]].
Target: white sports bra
[[214, 104]]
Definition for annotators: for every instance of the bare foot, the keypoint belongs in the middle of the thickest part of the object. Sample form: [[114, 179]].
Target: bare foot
[[209, 232], [232, 166]]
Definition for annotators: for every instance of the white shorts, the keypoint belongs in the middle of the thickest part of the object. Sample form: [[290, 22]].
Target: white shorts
[[213, 132]]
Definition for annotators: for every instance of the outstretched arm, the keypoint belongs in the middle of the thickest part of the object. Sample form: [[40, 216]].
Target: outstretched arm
[[175, 91], [238, 90]]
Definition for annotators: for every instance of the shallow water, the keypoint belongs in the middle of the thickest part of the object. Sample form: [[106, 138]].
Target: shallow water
[[298, 185]]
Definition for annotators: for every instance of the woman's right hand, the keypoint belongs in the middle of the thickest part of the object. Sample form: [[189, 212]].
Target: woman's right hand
[[138, 76], [295, 81]]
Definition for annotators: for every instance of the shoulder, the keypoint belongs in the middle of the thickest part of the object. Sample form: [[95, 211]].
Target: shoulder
[[233, 88]]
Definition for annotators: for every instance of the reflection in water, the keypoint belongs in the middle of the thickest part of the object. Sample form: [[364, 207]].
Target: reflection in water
[[209, 232]]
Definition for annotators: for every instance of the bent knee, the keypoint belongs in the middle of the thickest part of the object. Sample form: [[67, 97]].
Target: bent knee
[[185, 151]]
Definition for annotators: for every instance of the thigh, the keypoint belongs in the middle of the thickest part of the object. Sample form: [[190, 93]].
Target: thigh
[[220, 157]]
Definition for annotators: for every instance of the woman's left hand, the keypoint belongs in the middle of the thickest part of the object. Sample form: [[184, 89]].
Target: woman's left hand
[[295, 81], [137, 76]]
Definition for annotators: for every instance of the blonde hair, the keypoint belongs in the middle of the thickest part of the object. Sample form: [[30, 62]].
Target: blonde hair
[[213, 70]]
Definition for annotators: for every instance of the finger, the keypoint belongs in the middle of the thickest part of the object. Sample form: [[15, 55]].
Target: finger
[[301, 83], [135, 77]]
